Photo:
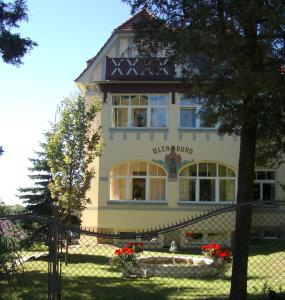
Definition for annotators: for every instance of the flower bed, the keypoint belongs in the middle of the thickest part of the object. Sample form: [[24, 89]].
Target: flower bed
[[215, 263]]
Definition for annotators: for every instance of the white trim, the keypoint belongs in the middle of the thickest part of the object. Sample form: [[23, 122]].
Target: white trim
[[128, 178], [217, 179], [148, 108], [195, 107]]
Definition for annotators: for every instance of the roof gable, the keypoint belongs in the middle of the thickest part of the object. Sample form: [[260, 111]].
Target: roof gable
[[126, 27]]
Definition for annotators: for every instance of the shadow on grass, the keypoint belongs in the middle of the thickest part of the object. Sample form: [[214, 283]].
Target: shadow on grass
[[266, 248], [120, 288], [29, 285], [85, 258]]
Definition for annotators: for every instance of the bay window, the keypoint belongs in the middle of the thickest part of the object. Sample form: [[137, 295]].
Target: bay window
[[140, 111]]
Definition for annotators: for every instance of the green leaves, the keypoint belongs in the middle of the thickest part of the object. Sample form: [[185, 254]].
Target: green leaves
[[73, 144]]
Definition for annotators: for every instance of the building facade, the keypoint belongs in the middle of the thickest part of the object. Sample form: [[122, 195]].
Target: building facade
[[161, 163]]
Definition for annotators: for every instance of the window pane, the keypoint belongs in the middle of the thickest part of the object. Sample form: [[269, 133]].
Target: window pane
[[268, 192], [212, 170], [122, 170], [222, 171], [203, 169], [193, 170], [207, 189], [160, 172], [187, 117], [154, 100], [143, 100], [135, 100], [187, 189], [270, 175], [138, 168], [260, 175], [120, 117], [125, 100], [117, 189], [188, 101], [158, 117], [157, 189], [225, 172], [139, 117], [230, 173], [163, 100], [227, 190], [116, 100], [138, 189], [256, 192]]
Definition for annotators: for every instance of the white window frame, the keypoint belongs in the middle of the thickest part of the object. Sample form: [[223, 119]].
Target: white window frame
[[217, 179], [261, 182], [129, 178], [129, 107], [192, 106]]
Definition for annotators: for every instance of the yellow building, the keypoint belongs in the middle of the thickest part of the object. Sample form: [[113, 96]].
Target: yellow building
[[160, 164]]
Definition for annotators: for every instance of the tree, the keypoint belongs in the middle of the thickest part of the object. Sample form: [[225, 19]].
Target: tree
[[72, 146], [232, 55], [38, 197], [1, 150], [13, 47]]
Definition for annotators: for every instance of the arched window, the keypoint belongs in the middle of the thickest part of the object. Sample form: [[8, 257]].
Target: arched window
[[139, 181], [207, 182]]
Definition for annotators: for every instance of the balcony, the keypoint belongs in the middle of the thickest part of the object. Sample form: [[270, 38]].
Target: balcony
[[139, 69]]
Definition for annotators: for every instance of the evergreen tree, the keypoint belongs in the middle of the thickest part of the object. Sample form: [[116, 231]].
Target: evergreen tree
[[38, 197], [13, 47], [231, 54]]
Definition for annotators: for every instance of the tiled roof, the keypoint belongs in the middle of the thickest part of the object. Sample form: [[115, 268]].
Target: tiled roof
[[129, 24]]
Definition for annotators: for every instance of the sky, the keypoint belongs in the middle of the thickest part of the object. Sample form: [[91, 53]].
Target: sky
[[68, 33]]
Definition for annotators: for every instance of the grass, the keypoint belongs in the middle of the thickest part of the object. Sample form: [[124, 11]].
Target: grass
[[89, 275]]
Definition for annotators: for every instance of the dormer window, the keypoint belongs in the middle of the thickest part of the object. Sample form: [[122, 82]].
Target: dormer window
[[140, 111]]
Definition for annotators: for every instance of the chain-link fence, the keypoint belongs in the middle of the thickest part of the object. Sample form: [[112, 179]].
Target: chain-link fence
[[189, 260], [23, 257]]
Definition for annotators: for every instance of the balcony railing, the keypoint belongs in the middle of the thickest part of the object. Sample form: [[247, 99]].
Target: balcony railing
[[139, 69]]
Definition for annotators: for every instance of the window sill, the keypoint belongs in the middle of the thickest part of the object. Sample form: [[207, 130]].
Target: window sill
[[204, 203], [136, 202], [197, 129], [161, 129]]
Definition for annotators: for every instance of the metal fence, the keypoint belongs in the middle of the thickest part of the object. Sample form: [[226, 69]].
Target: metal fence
[[188, 260]]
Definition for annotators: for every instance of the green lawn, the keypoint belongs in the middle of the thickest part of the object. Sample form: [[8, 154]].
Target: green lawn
[[89, 275]]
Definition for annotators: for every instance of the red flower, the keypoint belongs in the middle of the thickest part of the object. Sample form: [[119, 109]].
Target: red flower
[[224, 254], [211, 247], [127, 250], [188, 234], [118, 251]]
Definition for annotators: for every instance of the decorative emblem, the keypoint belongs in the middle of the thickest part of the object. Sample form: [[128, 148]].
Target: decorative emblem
[[172, 163]]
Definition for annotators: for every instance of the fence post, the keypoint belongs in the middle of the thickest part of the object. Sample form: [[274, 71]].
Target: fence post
[[53, 264]]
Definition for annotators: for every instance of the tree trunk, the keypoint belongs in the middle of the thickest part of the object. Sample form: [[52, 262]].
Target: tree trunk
[[244, 208]]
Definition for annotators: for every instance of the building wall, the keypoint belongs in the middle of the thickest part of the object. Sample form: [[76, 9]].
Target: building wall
[[122, 145]]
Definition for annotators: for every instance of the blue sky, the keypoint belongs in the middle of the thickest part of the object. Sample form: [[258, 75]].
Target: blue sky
[[68, 33]]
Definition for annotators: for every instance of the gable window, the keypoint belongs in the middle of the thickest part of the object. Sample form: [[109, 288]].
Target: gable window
[[188, 112], [140, 111], [137, 181], [264, 185], [207, 182]]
